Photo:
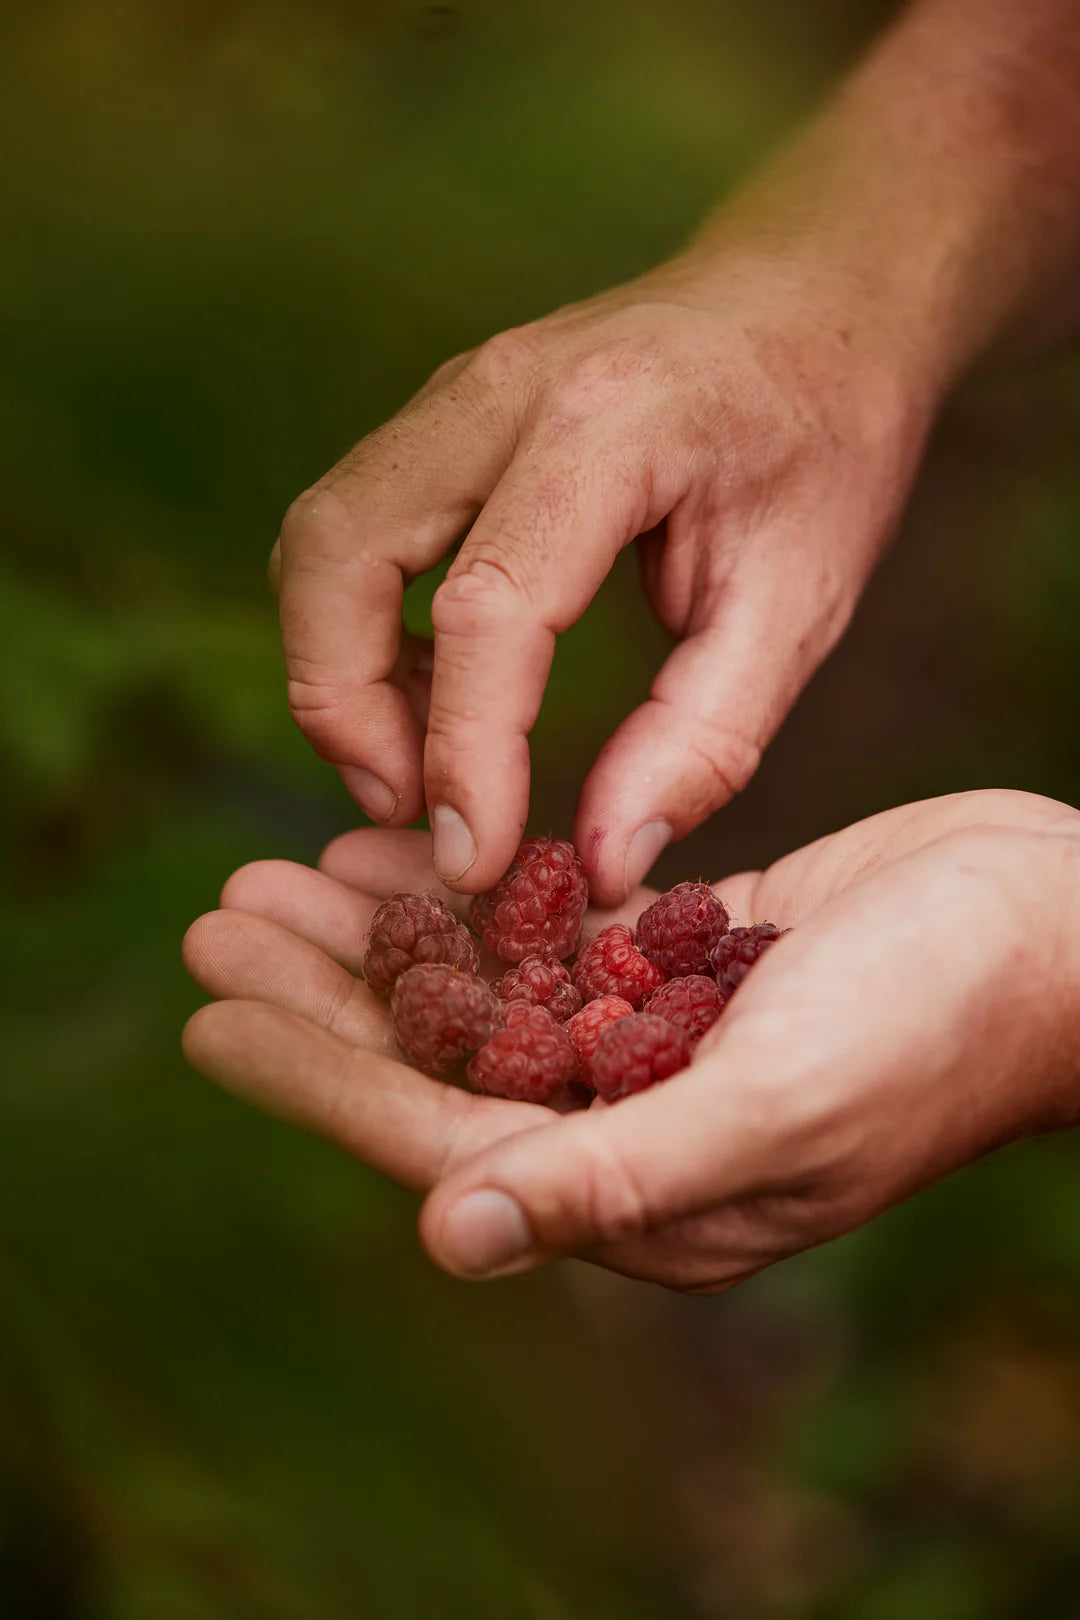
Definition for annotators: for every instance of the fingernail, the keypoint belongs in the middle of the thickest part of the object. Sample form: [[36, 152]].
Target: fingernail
[[643, 849], [453, 845], [374, 797], [484, 1233]]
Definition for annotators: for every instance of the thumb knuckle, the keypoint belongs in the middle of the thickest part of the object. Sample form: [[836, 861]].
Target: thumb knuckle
[[610, 1194]]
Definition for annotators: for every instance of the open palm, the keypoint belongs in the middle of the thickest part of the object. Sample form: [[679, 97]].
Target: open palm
[[924, 1009]]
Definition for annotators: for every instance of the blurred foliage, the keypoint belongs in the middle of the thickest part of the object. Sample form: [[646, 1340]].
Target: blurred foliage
[[235, 238]]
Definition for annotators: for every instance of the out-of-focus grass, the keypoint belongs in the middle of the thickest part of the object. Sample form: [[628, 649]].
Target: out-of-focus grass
[[235, 237]]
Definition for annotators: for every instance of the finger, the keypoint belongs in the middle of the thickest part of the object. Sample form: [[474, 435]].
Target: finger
[[411, 1128], [697, 741], [236, 956], [415, 661], [387, 512], [820, 1087], [329, 914], [528, 569]]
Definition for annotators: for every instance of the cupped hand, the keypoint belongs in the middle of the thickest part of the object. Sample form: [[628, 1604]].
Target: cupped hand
[[743, 418], [924, 1009]]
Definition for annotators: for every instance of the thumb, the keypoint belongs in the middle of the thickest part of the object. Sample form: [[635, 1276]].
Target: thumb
[[820, 1084], [589, 1180]]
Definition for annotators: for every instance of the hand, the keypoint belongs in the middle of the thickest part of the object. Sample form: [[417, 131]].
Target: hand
[[757, 436], [925, 1008]]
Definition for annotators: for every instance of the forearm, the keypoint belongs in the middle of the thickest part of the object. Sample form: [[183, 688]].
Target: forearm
[[938, 194]]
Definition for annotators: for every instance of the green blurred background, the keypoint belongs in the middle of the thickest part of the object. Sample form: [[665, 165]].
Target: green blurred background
[[235, 237]]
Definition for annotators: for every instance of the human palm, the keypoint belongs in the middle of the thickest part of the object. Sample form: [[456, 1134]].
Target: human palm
[[923, 1010]]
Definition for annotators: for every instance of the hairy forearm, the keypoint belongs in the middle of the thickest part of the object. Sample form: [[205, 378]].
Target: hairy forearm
[[940, 188]]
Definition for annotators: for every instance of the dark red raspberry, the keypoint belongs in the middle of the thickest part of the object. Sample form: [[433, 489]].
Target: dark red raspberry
[[635, 1053], [678, 931], [537, 906], [693, 1004], [412, 928], [586, 1027], [734, 955], [542, 981], [530, 1060], [612, 965], [441, 1015]]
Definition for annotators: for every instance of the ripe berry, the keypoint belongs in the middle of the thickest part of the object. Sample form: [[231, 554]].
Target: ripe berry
[[530, 1060], [542, 981], [538, 904], [586, 1027], [678, 931], [441, 1015], [412, 928], [612, 965], [635, 1053], [734, 955], [693, 1004]]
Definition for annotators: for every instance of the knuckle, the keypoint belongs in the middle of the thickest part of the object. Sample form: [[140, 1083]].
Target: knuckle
[[505, 356], [318, 706], [316, 516], [594, 380], [470, 601], [449, 370], [610, 1195], [726, 762], [312, 696]]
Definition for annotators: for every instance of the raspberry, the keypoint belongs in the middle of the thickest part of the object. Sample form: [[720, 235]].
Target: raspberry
[[612, 965], [635, 1053], [542, 981], [530, 1060], [678, 931], [693, 1004], [441, 1015], [734, 956], [412, 928], [586, 1027], [538, 904]]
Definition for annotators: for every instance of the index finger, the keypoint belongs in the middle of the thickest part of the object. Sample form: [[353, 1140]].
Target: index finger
[[348, 546]]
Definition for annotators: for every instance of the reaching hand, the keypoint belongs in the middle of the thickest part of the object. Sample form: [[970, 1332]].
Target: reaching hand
[[925, 1008], [758, 442]]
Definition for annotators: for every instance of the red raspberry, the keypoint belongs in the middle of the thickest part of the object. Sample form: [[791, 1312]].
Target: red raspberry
[[693, 1004], [412, 928], [612, 965], [538, 904], [530, 1060], [734, 956], [441, 1015], [586, 1027], [678, 931], [542, 981], [635, 1053]]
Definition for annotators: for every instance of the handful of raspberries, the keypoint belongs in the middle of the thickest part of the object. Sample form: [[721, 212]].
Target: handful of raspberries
[[627, 1011]]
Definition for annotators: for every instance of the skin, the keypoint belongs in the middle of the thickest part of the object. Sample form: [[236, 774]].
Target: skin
[[751, 414], [924, 1010]]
